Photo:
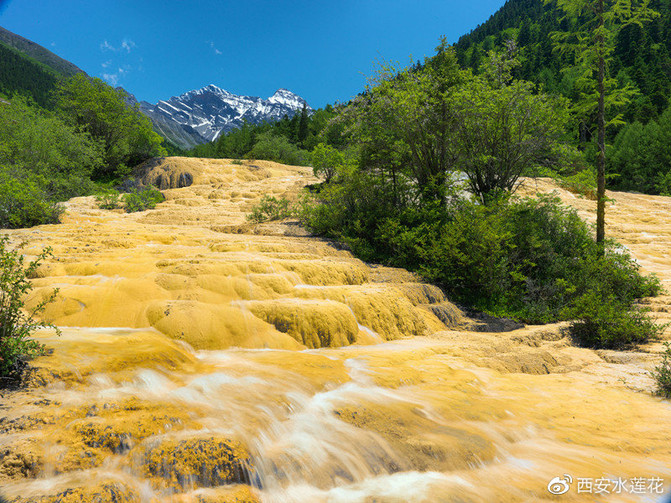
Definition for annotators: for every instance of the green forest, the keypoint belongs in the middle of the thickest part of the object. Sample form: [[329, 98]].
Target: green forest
[[25, 76], [84, 139]]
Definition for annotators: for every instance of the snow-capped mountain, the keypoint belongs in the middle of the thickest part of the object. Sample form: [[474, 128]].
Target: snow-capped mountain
[[204, 114]]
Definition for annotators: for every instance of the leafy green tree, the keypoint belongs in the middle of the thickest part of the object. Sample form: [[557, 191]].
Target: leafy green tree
[[424, 125], [43, 160], [596, 24], [640, 158], [277, 148], [326, 160], [23, 202], [37, 141], [506, 128], [404, 124], [125, 133]]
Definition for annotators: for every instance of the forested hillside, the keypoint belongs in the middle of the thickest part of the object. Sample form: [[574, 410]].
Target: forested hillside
[[30, 70], [22, 75], [642, 55], [39, 53]]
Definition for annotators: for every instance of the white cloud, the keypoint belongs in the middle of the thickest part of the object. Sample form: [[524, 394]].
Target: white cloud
[[127, 44], [216, 51], [106, 46], [119, 59], [111, 78]]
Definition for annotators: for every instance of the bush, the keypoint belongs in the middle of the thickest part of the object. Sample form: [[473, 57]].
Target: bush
[[604, 321], [277, 148], [518, 258], [16, 325], [62, 188], [108, 200], [23, 203], [142, 199], [530, 259], [325, 161], [583, 182], [34, 140], [270, 208], [662, 373]]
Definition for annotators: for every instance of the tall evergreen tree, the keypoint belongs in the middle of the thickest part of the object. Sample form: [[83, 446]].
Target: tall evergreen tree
[[592, 42], [302, 131]]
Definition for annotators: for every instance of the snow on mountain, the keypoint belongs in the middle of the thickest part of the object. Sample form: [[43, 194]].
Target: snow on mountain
[[202, 115]]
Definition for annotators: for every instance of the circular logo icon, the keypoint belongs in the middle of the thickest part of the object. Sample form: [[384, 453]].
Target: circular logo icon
[[560, 485]]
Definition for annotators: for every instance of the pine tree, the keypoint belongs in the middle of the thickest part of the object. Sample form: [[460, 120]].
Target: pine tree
[[592, 42], [302, 130]]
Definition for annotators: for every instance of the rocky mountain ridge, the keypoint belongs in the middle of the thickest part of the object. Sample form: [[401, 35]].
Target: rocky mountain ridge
[[202, 115]]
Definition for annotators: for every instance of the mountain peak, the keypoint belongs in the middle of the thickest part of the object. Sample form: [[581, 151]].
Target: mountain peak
[[203, 114], [214, 89], [209, 89], [285, 97], [283, 91]]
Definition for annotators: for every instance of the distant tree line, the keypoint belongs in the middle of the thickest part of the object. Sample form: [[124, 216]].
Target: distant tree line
[[288, 140]]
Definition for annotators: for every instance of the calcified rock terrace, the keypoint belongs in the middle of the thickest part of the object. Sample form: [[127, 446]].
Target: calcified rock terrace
[[206, 359]]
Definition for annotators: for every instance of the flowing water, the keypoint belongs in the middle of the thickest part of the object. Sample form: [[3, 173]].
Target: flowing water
[[205, 359]]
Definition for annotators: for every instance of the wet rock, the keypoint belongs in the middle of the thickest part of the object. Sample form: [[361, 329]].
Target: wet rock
[[20, 459], [226, 494], [164, 174], [316, 324], [194, 462], [486, 323], [422, 443], [449, 314], [105, 492]]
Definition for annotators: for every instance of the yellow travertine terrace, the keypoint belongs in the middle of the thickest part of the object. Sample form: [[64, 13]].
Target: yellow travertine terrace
[[206, 359]]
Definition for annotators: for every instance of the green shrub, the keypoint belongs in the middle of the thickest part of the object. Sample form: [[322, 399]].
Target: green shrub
[[17, 324], [124, 134], [604, 321], [270, 208], [277, 148], [530, 259], [108, 200], [142, 199], [583, 182], [237, 162], [36, 141], [64, 187], [663, 184], [662, 373], [23, 203]]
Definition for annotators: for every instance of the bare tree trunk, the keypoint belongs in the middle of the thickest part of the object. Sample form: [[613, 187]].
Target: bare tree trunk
[[601, 125]]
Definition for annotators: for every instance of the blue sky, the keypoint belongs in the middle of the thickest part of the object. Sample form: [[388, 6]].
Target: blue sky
[[320, 50]]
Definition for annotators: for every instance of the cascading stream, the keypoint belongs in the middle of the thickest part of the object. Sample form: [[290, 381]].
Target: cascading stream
[[204, 359]]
